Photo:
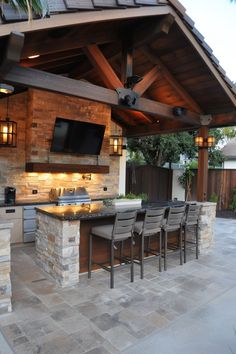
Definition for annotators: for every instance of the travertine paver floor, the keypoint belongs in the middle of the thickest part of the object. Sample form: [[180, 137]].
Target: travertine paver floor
[[93, 319]]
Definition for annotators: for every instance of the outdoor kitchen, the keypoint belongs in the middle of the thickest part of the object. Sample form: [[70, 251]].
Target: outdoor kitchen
[[83, 269]]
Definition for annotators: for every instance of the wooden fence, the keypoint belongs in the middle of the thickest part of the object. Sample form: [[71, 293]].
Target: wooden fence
[[156, 182], [220, 182]]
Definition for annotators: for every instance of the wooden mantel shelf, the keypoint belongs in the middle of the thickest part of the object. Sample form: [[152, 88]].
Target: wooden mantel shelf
[[61, 168]]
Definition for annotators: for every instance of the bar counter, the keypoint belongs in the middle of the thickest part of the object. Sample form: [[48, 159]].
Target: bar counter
[[62, 235], [95, 210]]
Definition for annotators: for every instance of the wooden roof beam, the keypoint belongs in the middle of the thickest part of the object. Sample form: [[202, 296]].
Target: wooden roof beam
[[164, 127], [127, 59], [106, 72], [38, 79], [151, 55], [29, 77], [102, 66], [223, 120]]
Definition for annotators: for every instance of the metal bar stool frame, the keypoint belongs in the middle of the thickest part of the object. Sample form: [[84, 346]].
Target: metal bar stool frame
[[121, 230], [174, 222], [150, 227], [191, 221]]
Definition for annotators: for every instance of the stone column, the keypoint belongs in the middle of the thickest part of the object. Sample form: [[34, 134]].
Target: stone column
[[57, 248], [5, 268], [206, 226]]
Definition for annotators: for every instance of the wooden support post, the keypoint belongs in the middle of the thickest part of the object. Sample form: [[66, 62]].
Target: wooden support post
[[202, 176]]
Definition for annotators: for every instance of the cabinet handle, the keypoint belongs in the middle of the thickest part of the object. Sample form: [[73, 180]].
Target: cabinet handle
[[8, 211]]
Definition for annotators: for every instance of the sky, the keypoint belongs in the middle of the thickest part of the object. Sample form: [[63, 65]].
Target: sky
[[216, 21]]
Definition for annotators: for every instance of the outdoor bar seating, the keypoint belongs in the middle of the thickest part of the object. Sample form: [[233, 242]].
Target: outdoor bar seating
[[121, 230], [191, 222], [149, 228], [174, 222]]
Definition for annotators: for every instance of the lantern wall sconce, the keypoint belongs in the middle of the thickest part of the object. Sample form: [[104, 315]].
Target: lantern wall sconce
[[8, 131], [87, 176], [116, 145], [205, 143], [6, 89]]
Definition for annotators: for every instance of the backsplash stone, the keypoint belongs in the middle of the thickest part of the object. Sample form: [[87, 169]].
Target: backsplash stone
[[35, 112]]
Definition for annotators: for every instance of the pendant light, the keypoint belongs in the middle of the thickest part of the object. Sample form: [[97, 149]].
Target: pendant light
[[8, 130]]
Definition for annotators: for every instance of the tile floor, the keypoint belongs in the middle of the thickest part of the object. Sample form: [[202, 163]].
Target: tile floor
[[93, 319]]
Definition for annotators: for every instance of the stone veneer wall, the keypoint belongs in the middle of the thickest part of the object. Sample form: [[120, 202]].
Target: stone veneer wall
[[206, 226], [5, 268], [57, 248], [35, 112]]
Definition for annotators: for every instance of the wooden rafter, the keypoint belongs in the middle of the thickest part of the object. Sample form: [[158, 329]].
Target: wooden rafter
[[106, 72], [151, 55], [147, 80], [103, 67], [35, 78]]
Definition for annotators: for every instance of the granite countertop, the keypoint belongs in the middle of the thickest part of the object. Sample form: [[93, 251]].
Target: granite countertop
[[94, 210], [25, 202]]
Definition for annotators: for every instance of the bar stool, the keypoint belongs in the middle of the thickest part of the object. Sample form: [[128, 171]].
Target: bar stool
[[191, 222], [150, 227], [121, 230], [174, 222]]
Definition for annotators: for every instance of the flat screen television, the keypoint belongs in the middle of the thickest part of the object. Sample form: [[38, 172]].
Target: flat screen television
[[71, 136]]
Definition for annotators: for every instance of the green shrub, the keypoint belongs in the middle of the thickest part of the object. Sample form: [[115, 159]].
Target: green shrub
[[213, 198], [142, 196]]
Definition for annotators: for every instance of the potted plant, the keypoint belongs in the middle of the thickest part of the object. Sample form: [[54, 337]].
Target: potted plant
[[129, 200]]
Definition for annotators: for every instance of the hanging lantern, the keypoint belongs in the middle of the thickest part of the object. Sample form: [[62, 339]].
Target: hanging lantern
[[8, 131], [116, 144]]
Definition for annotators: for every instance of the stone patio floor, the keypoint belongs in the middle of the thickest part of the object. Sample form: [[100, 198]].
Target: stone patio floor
[[93, 319]]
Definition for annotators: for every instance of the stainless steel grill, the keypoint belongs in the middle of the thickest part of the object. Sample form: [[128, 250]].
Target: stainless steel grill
[[70, 196]]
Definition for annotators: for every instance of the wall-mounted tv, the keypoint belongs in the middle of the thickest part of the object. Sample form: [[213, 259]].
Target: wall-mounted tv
[[71, 136]]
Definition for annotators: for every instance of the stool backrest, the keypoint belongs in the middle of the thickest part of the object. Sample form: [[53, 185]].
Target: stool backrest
[[153, 219], [175, 216], [124, 224], [192, 214]]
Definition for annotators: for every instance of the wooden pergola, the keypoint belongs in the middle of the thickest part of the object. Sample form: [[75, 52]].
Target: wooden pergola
[[101, 55]]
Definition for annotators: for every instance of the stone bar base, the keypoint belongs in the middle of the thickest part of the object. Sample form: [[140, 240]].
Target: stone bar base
[[57, 248], [206, 227], [5, 268]]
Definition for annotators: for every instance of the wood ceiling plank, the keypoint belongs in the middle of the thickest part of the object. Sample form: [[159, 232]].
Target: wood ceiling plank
[[171, 79], [87, 34], [206, 59]]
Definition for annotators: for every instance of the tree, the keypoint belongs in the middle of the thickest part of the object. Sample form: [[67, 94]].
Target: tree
[[159, 149]]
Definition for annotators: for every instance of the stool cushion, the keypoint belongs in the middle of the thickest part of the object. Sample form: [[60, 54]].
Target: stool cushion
[[105, 231]]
